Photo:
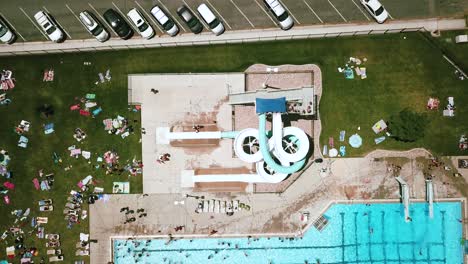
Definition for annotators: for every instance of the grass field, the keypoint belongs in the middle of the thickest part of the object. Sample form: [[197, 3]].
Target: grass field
[[402, 73]]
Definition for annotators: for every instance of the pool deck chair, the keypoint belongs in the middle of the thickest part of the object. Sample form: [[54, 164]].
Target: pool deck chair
[[321, 223]]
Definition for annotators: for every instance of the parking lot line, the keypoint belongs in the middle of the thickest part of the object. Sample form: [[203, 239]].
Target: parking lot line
[[30, 19], [242, 13], [360, 9], [307, 4], [57, 22], [266, 13], [337, 11], [73, 13], [150, 17], [105, 21], [196, 14], [175, 18], [9, 23], [390, 15], [225, 21], [289, 11]]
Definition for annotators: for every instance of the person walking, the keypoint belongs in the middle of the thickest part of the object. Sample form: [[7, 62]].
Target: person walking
[[154, 91]]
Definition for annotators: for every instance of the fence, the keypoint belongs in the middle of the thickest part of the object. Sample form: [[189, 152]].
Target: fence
[[240, 36]]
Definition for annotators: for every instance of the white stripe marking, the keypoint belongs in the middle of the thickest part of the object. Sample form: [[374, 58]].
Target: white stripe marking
[[196, 14], [173, 17], [57, 22], [389, 15], [307, 4], [73, 13], [266, 13], [242, 13], [42, 32], [289, 11], [360, 9], [9, 23], [105, 21], [337, 11], [150, 17], [225, 21]]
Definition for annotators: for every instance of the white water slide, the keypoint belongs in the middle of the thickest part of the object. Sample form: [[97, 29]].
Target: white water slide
[[287, 146]]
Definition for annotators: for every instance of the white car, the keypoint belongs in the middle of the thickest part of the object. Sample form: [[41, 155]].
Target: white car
[[284, 19], [144, 28], [94, 27], [6, 34], [213, 22], [167, 23], [48, 25], [376, 9]]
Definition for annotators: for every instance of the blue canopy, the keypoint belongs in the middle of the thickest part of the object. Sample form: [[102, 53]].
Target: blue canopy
[[277, 105]]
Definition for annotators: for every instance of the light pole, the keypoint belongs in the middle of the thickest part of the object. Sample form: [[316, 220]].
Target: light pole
[[269, 71]]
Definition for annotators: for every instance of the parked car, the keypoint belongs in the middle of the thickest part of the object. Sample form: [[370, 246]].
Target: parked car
[[376, 9], [165, 21], [190, 19], [49, 26], [213, 22], [118, 23], [6, 34], [279, 12], [144, 28], [94, 26]]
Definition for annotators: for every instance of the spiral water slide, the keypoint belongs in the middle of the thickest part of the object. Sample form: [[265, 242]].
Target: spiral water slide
[[276, 157]]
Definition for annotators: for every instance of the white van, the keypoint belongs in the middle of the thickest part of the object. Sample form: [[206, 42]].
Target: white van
[[144, 28], [165, 21], [94, 26], [277, 9], [213, 22]]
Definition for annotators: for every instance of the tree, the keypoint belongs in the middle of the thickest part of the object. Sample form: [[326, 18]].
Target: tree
[[408, 126]]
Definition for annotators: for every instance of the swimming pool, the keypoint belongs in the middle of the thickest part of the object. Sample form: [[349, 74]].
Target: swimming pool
[[356, 234]]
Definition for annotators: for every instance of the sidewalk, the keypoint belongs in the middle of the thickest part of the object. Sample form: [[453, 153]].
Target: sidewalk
[[241, 36]]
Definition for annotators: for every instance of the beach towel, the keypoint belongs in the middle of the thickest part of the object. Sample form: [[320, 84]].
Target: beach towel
[[86, 154], [97, 111], [6, 199], [49, 128], [107, 124], [75, 107], [342, 135], [9, 185], [84, 112], [363, 73], [36, 183], [45, 186], [349, 74], [90, 96], [90, 104], [75, 152]]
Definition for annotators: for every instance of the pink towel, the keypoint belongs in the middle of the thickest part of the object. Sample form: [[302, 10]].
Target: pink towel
[[6, 198], [9, 185], [36, 183], [75, 107]]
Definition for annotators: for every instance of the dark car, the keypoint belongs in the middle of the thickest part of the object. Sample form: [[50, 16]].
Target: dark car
[[118, 23], [190, 19]]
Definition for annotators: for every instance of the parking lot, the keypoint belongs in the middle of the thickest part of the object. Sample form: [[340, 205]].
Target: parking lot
[[236, 14]]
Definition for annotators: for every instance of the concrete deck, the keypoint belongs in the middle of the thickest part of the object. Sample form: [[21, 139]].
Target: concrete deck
[[183, 100], [351, 180]]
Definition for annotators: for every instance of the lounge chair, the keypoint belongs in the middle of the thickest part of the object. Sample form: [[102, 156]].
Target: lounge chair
[[53, 244], [56, 258], [46, 208], [81, 252], [45, 202], [52, 236], [235, 205]]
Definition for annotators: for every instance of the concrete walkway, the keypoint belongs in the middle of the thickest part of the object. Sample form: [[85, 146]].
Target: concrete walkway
[[241, 36]]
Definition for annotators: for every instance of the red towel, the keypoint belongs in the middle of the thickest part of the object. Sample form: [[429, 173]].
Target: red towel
[[84, 113], [9, 185]]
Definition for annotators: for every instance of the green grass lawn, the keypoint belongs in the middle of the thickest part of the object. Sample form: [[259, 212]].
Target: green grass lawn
[[401, 73]]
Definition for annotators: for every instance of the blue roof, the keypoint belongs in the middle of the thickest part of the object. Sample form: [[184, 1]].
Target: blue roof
[[277, 105]]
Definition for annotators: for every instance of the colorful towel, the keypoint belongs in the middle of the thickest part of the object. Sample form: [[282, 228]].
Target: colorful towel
[[84, 112], [36, 183], [107, 123]]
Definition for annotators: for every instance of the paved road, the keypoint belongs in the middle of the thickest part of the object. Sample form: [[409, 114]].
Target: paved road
[[236, 14]]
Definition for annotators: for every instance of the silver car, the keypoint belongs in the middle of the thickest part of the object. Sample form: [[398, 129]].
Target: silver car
[[94, 26]]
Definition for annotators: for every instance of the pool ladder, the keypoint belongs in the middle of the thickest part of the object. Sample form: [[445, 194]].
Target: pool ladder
[[404, 197]]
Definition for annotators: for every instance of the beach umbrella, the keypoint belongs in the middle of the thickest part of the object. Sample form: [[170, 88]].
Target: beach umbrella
[[333, 152], [355, 141]]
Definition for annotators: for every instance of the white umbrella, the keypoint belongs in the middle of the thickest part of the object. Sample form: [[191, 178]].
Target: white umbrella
[[333, 152]]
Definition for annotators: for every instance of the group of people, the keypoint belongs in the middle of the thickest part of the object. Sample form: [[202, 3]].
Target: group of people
[[163, 158], [141, 213]]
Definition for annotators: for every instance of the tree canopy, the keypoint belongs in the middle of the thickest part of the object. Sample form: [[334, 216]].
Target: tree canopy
[[407, 125]]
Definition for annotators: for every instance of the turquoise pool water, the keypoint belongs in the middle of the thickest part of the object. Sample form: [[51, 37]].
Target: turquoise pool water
[[356, 234]]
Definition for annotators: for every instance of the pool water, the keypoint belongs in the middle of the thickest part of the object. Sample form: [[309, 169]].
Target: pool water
[[355, 234]]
